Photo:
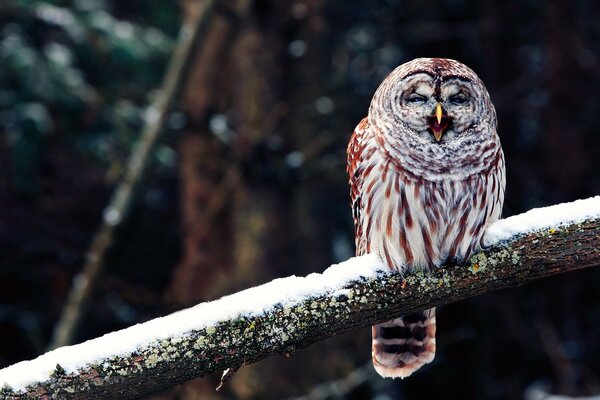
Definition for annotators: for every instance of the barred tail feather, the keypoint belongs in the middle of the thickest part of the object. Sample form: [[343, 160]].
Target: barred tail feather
[[403, 345]]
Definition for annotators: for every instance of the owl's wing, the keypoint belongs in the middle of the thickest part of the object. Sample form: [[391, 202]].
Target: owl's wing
[[355, 167]]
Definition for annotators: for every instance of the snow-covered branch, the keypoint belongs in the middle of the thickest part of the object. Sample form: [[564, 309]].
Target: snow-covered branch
[[290, 313]]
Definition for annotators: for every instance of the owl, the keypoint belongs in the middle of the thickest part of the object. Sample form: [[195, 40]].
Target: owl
[[426, 173]]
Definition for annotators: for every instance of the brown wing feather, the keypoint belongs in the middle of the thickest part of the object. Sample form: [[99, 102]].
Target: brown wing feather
[[355, 153]]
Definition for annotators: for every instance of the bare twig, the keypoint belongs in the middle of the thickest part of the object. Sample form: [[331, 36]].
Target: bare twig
[[118, 208], [227, 375]]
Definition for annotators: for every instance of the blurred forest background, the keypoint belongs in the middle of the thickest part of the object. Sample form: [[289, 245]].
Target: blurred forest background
[[248, 182]]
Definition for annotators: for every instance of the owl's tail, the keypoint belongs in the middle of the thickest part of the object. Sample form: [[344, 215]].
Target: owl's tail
[[403, 345]]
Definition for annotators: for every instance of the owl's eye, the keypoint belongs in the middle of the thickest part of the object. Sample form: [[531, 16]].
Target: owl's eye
[[458, 99], [415, 98]]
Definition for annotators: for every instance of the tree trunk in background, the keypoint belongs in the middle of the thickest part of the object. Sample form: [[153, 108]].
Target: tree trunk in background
[[561, 136], [311, 136], [203, 272], [238, 194], [257, 204], [204, 261]]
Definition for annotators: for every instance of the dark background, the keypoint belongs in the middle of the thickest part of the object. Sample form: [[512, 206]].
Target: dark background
[[248, 181]]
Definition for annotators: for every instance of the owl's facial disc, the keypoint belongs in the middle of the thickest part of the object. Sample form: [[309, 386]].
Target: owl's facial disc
[[438, 122]]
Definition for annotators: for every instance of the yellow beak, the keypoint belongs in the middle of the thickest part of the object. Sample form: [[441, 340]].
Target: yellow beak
[[438, 122]]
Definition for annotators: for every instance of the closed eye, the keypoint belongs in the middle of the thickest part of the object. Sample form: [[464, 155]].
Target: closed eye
[[415, 98], [458, 99]]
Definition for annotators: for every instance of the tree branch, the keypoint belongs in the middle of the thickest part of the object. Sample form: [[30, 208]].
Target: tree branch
[[291, 313]]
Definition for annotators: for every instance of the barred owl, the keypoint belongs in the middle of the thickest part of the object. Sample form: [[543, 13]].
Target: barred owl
[[426, 177]]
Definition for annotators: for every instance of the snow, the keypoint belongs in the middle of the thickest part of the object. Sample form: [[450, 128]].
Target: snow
[[111, 216], [542, 218], [251, 302], [541, 390], [152, 114]]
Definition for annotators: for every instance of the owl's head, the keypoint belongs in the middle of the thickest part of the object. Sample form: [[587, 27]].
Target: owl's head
[[434, 100]]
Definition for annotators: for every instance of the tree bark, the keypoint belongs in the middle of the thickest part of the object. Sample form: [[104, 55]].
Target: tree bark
[[233, 343]]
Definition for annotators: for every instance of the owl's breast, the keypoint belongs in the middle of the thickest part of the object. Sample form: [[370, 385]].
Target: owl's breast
[[418, 223]]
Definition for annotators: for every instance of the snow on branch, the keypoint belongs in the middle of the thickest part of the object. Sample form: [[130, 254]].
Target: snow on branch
[[290, 313]]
